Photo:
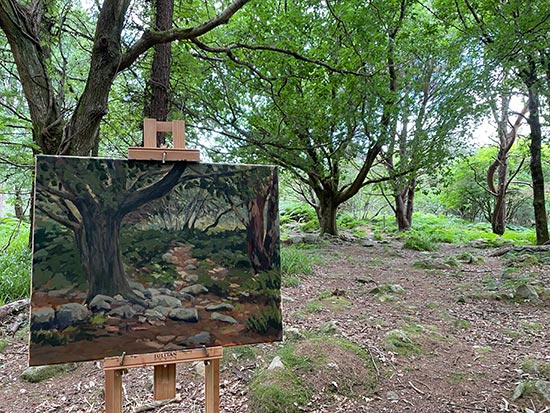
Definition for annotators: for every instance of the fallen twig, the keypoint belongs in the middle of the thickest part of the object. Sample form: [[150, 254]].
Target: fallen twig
[[157, 403], [461, 406], [373, 362], [13, 307], [416, 389]]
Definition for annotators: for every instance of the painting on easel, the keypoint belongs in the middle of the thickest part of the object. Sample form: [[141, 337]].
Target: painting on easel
[[138, 257]]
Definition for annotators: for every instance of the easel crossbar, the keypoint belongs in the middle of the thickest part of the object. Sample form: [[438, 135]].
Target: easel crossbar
[[167, 357]]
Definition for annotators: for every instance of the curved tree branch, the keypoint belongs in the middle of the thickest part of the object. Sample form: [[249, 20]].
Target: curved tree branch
[[152, 38], [158, 189], [235, 46]]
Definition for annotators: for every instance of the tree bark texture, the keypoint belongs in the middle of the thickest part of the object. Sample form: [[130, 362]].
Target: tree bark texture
[[22, 26], [537, 176], [404, 206], [157, 98], [326, 213], [27, 34], [507, 136], [99, 248]]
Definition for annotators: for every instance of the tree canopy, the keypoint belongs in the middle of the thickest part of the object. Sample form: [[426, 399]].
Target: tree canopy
[[307, 85]]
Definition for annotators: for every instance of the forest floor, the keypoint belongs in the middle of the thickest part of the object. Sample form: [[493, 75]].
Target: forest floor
[[450, 340]]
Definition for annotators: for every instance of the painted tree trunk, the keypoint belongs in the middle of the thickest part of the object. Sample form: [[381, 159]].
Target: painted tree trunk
[[261, 228], [100, 255]]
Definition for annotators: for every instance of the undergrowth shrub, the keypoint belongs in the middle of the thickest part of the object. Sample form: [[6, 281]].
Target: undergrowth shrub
[[419, 242], [15, 261], [299, 213]]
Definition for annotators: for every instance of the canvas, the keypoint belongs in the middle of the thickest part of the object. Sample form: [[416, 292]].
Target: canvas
[[140, 256]]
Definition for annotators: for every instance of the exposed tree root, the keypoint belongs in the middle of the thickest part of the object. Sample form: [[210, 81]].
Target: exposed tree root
[[530, 248]]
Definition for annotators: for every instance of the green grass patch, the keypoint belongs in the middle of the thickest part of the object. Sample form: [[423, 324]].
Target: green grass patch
[[299, 214], [314, 306], [401, 342], [429, 229], [297, 262], [239, 353], [461, 324], [15, 261], [409, 339], [538, 368], [327, 300]]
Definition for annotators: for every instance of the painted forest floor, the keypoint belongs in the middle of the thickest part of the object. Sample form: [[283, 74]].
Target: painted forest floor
[[440, 331]]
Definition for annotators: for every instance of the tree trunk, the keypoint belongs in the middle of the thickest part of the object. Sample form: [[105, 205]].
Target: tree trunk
[[326, 213], [81, 133], [401, 213], [99, 247], [157, 99], [22, 26], [498, 218], [410, 200], [537, 176]]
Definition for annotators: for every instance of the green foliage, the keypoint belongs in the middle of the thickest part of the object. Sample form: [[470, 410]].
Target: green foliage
[[54, 246], [15, 261], [229, 250], [467, 195], [301, 213], [418, 241], [98, 318], [348, 221], [429, 229]]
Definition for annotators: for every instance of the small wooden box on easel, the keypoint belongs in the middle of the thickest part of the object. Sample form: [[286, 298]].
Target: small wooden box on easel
[[165, 362], [151, 152]]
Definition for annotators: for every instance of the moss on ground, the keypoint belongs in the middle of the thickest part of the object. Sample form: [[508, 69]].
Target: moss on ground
[[318, 365], [277, 391]]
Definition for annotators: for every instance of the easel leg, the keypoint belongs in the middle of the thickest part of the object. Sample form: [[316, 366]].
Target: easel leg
[[165, 382], [113, 391], [212, 386]]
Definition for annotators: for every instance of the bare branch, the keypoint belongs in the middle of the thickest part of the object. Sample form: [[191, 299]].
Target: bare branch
[[296, 55]]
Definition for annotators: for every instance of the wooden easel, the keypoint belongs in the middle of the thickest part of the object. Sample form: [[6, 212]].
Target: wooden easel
[[164, 376], [165, 362]]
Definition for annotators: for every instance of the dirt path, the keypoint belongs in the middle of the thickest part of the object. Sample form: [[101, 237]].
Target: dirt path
[[467, 340]]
